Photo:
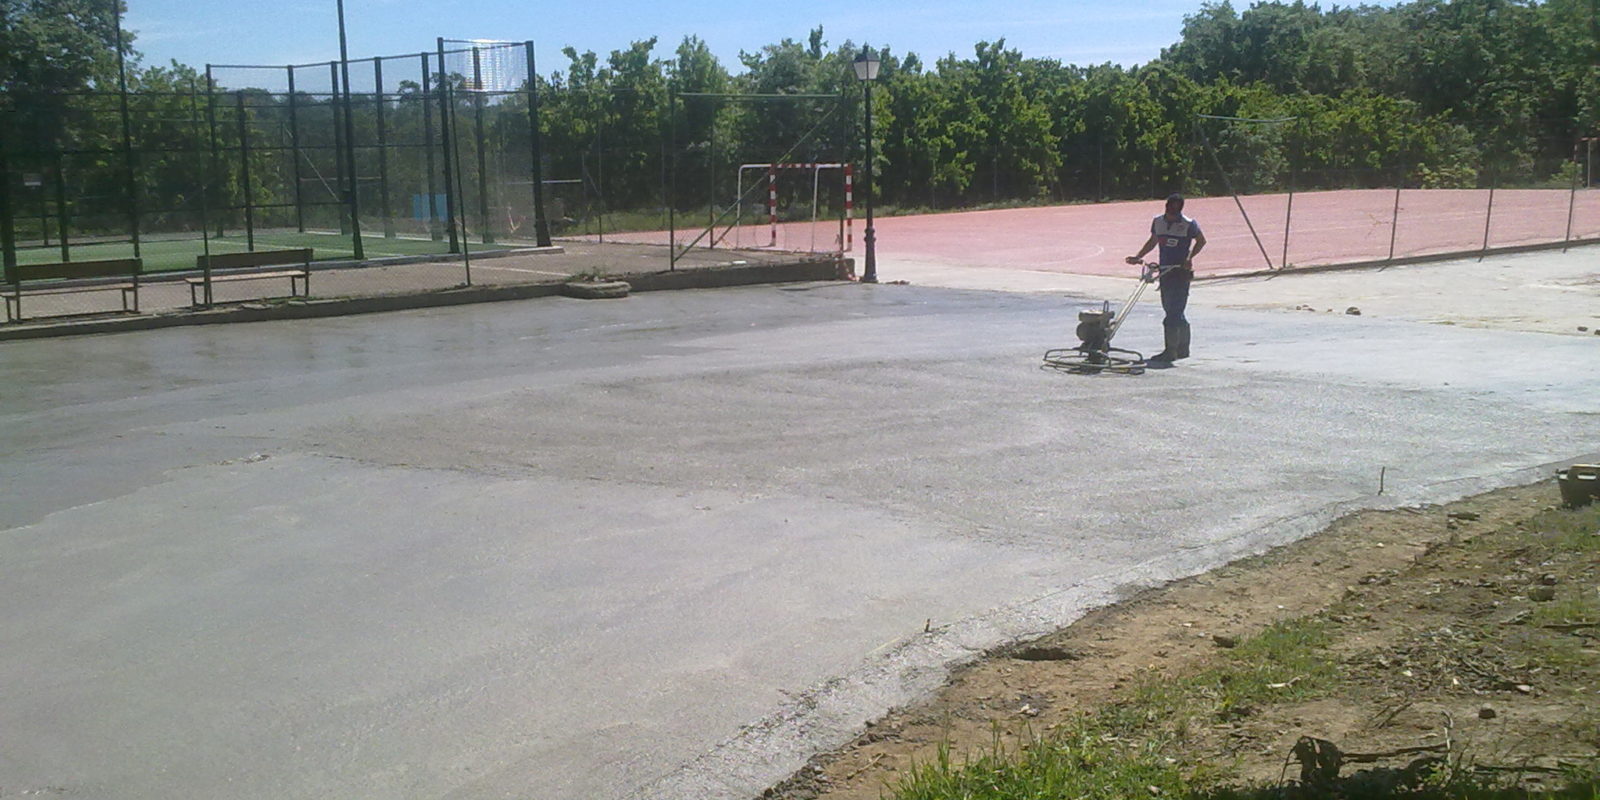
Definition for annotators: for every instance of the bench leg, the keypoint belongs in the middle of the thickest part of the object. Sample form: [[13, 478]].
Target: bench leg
[[194, 299], [300, 280], [17, 300], [130, 291]]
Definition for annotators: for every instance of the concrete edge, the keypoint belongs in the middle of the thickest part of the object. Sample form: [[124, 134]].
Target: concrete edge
[[825, 269], [1380, 263], [829, 715]]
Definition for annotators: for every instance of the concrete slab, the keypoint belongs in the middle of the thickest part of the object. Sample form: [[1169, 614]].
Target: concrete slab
[[662, 546]]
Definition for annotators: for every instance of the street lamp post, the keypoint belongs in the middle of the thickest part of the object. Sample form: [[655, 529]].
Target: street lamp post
[[866, 65]]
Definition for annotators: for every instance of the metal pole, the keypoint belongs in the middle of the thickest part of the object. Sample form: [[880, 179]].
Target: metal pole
[[711, 195], [383, 150], [1394, 216], [8, 231], [672, 177], [1288, 218], [127, 136], [1227, 183], [483, 164], [427, 147], [446, 136], [294, 156], [1488, 214], [870, 238], [466, 243], [541, 224], [64, 216], [350, 143], [338, 144], [205, 189], [1572, 199], [211, 132], [244, 175]]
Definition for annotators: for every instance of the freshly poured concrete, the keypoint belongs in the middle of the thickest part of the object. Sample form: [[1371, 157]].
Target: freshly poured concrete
[[658, 547]]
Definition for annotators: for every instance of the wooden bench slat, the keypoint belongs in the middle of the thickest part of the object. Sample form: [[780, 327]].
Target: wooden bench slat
[[246, 276], [71, 270], [258, 258]]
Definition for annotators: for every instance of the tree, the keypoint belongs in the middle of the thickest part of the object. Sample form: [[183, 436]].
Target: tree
[[47, 49]]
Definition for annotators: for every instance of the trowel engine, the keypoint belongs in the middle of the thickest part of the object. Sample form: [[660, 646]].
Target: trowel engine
[[1096, 327]]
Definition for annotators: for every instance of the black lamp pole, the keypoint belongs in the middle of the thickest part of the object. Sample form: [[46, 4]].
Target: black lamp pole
[[866, 66]]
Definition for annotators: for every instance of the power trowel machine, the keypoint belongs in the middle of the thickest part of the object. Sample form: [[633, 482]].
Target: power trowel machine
[[1096, 326]]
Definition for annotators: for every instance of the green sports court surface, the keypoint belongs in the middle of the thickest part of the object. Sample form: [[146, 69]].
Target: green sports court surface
[[168, 254]]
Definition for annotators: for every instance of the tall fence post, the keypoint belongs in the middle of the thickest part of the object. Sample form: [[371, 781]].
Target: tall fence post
[[8, 231], [63, 212], [211, 134], [1572, 198], [434, 233], [294, 155], [1288, 215], [1394, 216], [128, 157], [350, 144], [244, 174], [383, 150], [1488, 213], [205, 191], [672, 171], [334, 108], [483, 163], [541, 224], [446, 141]]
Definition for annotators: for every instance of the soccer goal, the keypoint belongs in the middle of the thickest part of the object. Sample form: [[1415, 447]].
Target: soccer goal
[[814, 214]]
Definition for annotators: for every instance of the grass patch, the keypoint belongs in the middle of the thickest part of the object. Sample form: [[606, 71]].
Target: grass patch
[[1463, 632]]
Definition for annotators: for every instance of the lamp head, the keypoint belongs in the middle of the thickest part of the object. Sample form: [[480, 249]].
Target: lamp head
[[866, 65]]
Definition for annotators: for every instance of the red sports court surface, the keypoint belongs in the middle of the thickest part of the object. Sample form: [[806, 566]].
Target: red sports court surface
[[1324, 228]]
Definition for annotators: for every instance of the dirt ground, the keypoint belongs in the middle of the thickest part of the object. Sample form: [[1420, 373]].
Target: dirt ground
[[1434, 613]]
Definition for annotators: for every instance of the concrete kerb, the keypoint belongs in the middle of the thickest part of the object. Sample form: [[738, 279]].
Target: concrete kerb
[[822, 269], [1380, 263]]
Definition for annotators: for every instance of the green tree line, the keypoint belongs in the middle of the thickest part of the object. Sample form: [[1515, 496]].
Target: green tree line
[[1427, 93]]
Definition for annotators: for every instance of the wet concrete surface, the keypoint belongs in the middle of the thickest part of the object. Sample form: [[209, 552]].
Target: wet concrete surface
[[663, 546]]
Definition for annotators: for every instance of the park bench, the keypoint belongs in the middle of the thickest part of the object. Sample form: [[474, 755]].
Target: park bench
[[253, 262], [72, 277]]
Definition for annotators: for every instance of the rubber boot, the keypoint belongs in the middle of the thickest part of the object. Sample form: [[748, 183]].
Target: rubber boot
[[1182, 348], [1170, 338]]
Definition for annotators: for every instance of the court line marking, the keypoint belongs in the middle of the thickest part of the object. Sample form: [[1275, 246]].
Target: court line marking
[[528, 271]]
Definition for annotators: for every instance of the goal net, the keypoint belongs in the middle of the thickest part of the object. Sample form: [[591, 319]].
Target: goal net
[[799, 207]]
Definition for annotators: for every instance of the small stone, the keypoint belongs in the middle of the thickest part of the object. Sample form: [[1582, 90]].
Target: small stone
[[1224, 641], [1524, 688], [1542, 594], [1583, 329], [1353, 311], [1466, 515], [1486, 713], [1548, 579]]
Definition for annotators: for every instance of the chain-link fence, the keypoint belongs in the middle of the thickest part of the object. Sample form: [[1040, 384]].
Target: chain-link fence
[[1307, 197], [432, 155]]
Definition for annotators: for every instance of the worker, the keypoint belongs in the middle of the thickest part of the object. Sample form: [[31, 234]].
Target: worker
[[1174, 234]]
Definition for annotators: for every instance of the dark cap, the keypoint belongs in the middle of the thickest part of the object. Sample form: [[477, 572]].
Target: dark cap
[[1175, 198]]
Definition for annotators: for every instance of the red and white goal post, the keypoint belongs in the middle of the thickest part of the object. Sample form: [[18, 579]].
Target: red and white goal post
[[842, 241]]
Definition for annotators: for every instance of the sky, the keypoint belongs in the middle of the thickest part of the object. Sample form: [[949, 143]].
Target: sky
[[194, 32]]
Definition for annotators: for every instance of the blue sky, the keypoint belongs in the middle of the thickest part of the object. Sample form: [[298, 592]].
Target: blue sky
[[306, 31]]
